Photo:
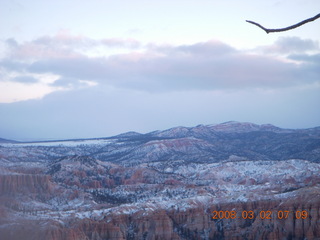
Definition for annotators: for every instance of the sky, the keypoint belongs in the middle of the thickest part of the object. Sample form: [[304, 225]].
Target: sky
[[84, 69]]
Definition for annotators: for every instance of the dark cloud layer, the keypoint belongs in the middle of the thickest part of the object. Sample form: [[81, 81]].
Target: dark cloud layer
[[101, 112], [182, 68], [314, 58], [206, 65], [25, 79]]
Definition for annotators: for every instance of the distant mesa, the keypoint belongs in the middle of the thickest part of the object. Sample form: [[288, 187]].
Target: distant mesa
[[2, 140], [198, 131], [233, 126], [129, 134]]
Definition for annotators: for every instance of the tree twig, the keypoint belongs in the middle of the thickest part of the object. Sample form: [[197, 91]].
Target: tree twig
[[267, 30]]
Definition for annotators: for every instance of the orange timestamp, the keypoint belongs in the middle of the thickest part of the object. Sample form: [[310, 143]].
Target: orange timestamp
[[281, 214]]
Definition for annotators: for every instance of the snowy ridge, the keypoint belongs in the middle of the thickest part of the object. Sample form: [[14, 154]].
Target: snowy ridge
[[209, 143]]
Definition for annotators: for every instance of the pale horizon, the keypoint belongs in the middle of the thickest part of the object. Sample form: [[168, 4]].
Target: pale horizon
[[26, 139]]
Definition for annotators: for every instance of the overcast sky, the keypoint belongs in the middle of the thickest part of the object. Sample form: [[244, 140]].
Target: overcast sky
[[79, 68]]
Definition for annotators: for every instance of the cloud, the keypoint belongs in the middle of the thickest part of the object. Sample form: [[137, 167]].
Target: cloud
[[64, 38], [72, 83], [290, 45], [41, 49], [312, 58], [64, 43], [11, 42], [205, 49], [64, 82], [209, 48], [13, 65], [210, 65], [25, 79], [120, 42]]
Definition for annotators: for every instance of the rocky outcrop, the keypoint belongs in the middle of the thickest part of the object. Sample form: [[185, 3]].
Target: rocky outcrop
[[192, 223], [37, 230], [24, 183], [197, 223]]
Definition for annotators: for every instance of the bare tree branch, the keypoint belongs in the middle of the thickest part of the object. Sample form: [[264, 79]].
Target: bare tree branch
[[267, 30]]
